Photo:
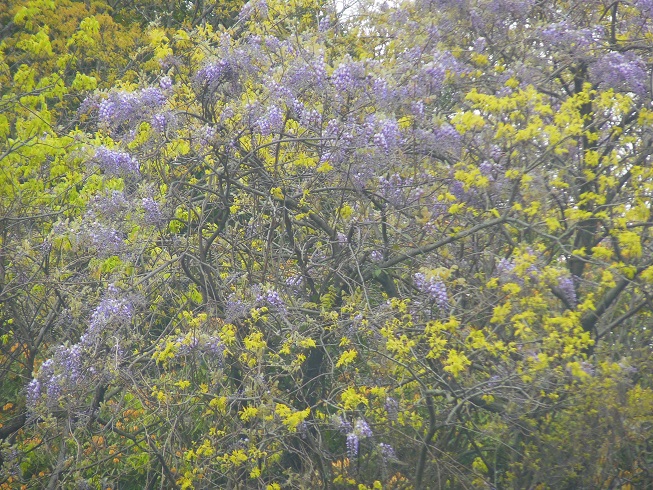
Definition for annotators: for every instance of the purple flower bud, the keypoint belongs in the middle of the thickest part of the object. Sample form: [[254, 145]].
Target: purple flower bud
[[352, 445]]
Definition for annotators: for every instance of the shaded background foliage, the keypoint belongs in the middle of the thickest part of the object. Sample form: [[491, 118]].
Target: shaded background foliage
[[392, 247]]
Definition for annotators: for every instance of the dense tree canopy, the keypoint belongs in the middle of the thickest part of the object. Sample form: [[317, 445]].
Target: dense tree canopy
[[298, 244]]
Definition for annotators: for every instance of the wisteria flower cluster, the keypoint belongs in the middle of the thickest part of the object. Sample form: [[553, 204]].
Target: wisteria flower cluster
[[360, 431], [270, 297], [115, 162], [201, 343], [152, 210], [121, 110], [112, 312], [568, 288], [106, 239], [624, 72], [433, 288], [71, 368], [397, 189]]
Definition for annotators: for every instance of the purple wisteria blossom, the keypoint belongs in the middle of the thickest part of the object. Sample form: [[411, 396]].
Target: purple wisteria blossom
[[122, 109], [118, 108], [252, 8], [448, 140], [352, 445], [565, 37], [213, 74], [62, 373], [310, 118], [480, 44], [387, 451], [434, 288], [343, 79], [270, 297], [214, 346], [187, 346], [112, 205], [70, 359], [362, 428], [566, 285], [295, 282], [162, 121], [394, 188], [112, 311], [348, 76], [343, 425], [360, 431], [507, 270], [114, 162], [33, 393], [319, 72], [210, 345], [235, 308], [53, 389], [624, 72], [389, 136], [385, 95], [645, 7], [325, 23], [90, 104], [207, 134], [152, 210], [392, 407], [165, 83], [271, 122], [151, 97], [106, 239], [505, 267]]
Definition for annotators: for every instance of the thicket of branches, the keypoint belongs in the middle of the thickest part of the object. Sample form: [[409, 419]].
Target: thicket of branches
[[384, 247]]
